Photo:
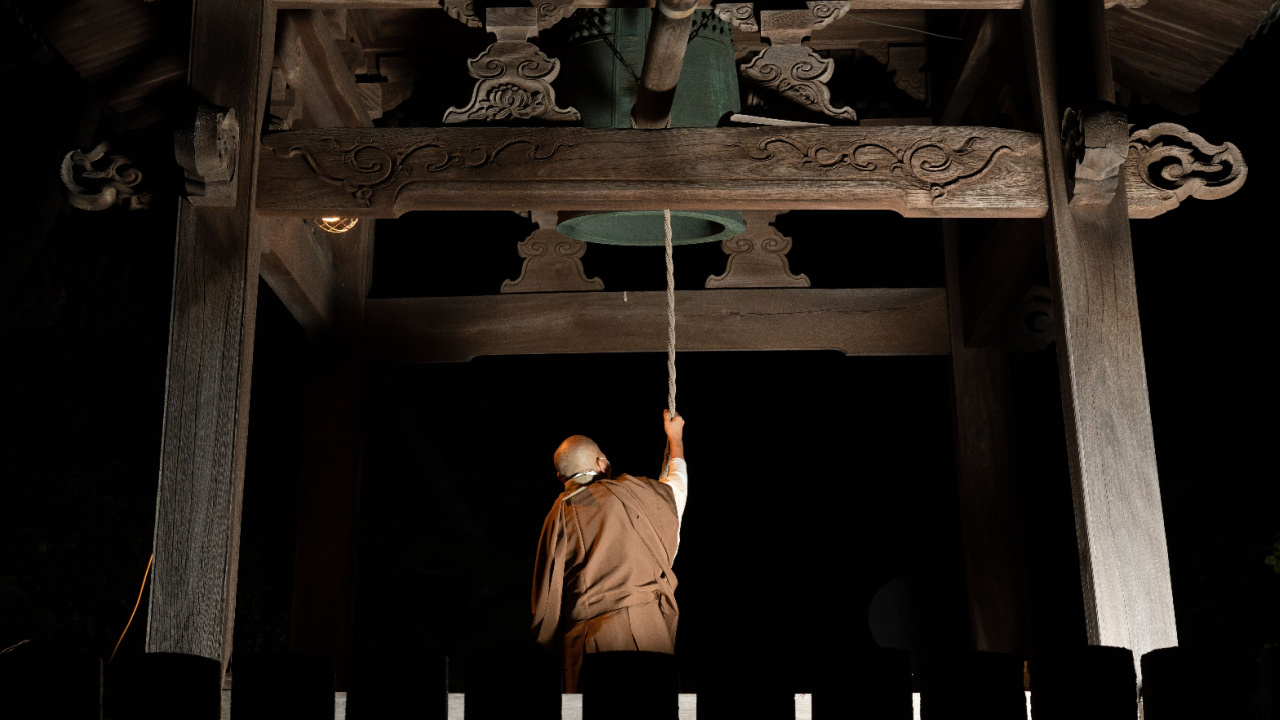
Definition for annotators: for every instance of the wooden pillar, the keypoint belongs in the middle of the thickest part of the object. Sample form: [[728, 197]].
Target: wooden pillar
[[197, 530], [329, 483], [1124, 561], [995, 564]]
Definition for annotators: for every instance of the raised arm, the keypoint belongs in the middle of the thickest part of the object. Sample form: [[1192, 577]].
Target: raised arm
[[675, 474], [675, 434]]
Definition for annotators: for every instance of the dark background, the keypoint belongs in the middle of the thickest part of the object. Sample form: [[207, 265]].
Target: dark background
[[815, 478]]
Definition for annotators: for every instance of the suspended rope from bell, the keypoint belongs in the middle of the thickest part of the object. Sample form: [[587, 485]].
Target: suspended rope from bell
[[671, 316]]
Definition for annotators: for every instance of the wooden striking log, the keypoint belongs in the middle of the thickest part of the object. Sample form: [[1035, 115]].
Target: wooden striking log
[[206, 414], [855, 322], [990, 511], [916, 171], [663, 60], [1124, 561]]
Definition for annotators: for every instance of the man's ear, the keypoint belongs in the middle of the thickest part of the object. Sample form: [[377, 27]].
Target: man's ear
[[602, 465]]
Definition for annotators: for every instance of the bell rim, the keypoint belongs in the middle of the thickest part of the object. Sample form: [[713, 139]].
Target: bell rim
[[730, 221]]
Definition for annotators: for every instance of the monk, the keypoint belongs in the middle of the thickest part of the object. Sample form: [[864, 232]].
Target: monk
[[602, 579]]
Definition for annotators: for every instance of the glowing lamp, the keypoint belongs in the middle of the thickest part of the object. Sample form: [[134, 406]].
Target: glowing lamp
[[335, 224]]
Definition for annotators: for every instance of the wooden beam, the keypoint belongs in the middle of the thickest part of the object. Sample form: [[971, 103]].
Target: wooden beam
[[999, 277], [977, 54], [323, 84], [1124, 561], [855, 322], [300, 273], [990, 509], [206, 413], [854, 4], [916, 171], [329, 486]]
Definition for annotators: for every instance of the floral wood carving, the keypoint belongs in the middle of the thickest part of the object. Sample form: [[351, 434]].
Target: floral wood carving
[[799, 74], [368, 167], [98, 179], [514, 83], [1094, 148], [740, 15], [1170, 163], [464, 11], [757, 257], [552, 262], [926, 164]]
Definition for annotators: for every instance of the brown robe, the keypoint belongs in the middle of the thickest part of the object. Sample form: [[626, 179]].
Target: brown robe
[[602, 579]]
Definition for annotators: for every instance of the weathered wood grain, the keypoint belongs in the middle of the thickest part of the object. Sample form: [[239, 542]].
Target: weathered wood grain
[[916, 171], [299, 272], [855, 322], [197, 529], [990, 509], [324, 87], [1124, 561]]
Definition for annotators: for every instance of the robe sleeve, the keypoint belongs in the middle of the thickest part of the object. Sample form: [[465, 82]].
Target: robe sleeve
[[548, 577], [677, 478]]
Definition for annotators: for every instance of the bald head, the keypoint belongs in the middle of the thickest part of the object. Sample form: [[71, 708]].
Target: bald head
[[576, 455]]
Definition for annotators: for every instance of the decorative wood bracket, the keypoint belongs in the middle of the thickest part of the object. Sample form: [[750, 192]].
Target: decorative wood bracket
[[787, 66], [757, 256], [207, 153], [741, 15], [111, 179], [552, 262], [513, 76], [1168, 163], [1094, 150], [906, 62]]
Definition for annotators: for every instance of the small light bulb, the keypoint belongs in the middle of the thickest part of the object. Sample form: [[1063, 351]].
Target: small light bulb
[[335, 224]]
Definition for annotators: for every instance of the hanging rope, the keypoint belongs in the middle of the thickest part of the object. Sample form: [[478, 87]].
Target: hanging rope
[[671, 316]]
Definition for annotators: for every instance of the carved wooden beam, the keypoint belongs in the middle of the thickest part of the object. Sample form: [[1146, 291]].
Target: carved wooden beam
[[915, 171], [856, 322]]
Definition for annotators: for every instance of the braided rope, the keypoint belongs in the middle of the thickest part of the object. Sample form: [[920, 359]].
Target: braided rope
[[671, 315]]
